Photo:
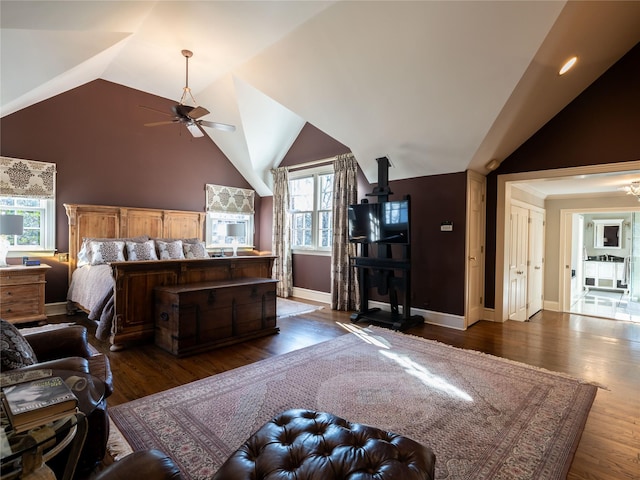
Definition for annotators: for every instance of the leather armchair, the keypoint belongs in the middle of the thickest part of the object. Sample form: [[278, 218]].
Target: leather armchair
[[147, 464], [68, 349]]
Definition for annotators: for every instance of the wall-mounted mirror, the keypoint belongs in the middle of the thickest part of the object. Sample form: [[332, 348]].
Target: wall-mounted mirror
[[607, 233]]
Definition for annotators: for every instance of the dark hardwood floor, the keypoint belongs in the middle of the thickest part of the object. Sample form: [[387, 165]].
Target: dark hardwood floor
[[597, 350]]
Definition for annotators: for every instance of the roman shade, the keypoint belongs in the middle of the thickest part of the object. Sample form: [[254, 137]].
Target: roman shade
[[27, 178], [229, 199]]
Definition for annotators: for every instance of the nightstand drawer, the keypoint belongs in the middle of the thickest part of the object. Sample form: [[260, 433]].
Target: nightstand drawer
[[17, 308], [22, 293], [19, 293], [21, 278]]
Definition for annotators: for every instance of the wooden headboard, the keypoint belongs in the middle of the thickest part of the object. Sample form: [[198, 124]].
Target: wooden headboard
[[99, 221]]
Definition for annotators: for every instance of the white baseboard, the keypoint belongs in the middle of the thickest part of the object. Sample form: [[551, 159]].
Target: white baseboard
[[58, 308], [552, 306], [313, 295], [489, 314], [432, 318]]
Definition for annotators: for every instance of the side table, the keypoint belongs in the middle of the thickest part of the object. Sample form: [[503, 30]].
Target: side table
[[23, 455], [22, 293], [60, 443]]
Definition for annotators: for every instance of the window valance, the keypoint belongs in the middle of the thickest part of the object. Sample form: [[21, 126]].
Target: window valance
[[27, 178], [229, 199]]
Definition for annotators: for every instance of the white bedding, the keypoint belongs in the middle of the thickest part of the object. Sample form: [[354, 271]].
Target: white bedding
[[92, 287]]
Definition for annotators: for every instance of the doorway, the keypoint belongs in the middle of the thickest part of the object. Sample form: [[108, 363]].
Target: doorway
[[604, 274], [557, 275]]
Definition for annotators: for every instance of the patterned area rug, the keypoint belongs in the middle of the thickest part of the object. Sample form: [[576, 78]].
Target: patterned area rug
[[483, 416], [289, 308]]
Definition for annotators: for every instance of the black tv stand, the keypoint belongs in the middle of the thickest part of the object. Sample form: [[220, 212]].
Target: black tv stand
[[390, 275]]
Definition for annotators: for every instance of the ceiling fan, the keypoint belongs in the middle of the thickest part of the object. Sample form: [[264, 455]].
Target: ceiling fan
[[187, 115]]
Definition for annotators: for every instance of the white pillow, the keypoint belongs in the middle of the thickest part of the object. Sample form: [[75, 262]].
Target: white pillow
[[170, 250], [106, 252], [195, 250], [141, 250]]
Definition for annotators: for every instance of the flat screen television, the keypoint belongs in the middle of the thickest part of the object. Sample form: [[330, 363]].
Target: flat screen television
[[384, 222]]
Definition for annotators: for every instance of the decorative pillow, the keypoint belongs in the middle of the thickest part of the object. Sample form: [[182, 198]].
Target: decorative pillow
[[195, 250], [141, 250], [84, 255], [15, 351], [107, 252], [170, 250]]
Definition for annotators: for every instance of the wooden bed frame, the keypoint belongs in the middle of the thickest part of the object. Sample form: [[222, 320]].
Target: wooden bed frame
[[135, 282]]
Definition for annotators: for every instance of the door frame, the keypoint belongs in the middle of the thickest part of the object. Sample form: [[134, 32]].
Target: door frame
[[502, 211]]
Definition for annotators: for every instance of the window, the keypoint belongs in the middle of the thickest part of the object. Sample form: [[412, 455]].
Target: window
[[28, 189], [37, 216], [229, 206], [216, 230], [311, 197]]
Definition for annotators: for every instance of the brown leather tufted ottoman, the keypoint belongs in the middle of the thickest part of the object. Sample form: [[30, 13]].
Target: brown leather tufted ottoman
[[307, 445]]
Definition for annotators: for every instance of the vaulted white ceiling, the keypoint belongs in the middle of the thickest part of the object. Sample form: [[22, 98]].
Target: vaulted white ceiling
[[438, 87]]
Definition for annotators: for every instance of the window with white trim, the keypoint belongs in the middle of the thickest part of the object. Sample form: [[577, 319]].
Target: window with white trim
[[217, 231], [28, 189], [229, 206], [311, 197]]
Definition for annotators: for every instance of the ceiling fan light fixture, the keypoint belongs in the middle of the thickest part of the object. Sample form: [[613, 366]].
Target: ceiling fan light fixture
[[568, 65]]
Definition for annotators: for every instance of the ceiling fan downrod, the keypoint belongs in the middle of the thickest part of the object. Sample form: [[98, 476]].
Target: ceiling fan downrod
[[186, 90]]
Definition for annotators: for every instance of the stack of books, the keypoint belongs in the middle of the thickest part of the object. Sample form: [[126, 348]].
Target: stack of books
[[36, 401]]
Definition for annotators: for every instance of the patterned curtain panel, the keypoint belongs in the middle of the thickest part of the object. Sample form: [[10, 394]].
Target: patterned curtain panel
[[345, 294], [27, 178], [229, 199], [282, 233]]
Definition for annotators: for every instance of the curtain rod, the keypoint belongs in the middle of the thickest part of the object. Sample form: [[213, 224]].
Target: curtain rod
[[312, 163]]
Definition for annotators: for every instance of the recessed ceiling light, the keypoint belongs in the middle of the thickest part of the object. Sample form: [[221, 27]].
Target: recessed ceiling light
[[568, 65]]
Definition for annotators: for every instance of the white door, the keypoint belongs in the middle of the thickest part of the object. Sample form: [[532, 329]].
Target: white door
[[535, 278], [577, 258], [475, 248], [518, 252]]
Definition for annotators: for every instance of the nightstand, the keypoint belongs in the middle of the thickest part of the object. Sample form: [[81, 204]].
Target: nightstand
[[22, 293]]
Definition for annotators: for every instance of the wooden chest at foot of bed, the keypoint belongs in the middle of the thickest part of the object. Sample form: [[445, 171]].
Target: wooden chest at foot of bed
[[195, 317]]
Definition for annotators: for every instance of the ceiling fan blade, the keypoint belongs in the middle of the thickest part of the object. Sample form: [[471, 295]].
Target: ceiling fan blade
[[197, 112], [155, 124], [220, 126], [195, 130], [157, 111]]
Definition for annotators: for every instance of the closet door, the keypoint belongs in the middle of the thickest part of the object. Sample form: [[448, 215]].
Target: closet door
[[518, 253], [476, 186], [535, 263]]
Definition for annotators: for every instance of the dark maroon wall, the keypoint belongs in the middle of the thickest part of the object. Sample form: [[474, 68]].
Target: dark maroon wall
[[312, 144], [105, 156], [602, 125], [437, 258], [266, 224]]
